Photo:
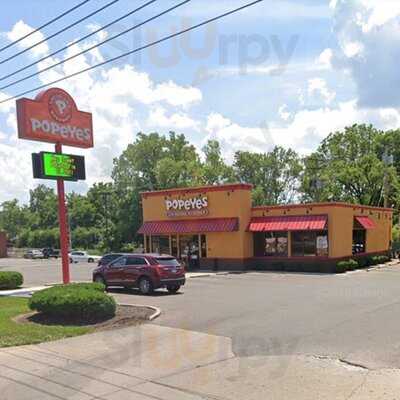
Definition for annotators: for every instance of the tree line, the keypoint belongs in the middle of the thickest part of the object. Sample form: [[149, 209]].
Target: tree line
[[351, 165]]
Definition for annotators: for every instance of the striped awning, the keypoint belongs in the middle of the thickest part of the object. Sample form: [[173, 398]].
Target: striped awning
[[288, 223], [366, 222], [190, 226]]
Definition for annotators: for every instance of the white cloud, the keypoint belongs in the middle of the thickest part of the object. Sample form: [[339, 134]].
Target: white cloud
[[21, 29], [233, 137], [368, 33], [283, 113], [318, 86], [176, 121], [324, 60]]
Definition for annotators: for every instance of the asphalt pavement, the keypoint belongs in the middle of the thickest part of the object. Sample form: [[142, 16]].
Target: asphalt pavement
[[352, 317]]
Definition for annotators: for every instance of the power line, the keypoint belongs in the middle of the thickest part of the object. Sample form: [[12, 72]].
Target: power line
[[94, 46], [78, 40], [164, 39], [44, 25], [60, 31]]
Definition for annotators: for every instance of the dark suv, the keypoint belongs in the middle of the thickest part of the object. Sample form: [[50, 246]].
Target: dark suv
[[144, 271]]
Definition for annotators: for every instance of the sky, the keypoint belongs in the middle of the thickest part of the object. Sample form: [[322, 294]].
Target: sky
[[283, 72]]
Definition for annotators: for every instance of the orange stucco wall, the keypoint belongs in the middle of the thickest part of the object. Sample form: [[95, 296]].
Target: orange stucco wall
[[235, 201], [230, 201], [340, 224]]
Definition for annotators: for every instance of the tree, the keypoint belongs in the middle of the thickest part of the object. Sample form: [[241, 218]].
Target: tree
[[214, 169], [275, 175], [348, 166], [152, 162], [43, 207], [13, 218]]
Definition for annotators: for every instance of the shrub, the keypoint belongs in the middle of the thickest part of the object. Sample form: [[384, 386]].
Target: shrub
[[89, 286], [352, 265], [379, 260], [10, 280], [74, 302], [344, 266], [341, 267]]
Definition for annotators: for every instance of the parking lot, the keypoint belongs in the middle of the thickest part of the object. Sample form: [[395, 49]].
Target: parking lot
[[353, 317], [39, 272]]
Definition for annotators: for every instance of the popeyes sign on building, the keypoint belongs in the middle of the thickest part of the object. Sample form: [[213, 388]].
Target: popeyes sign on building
[[54, 117], [196, 206]]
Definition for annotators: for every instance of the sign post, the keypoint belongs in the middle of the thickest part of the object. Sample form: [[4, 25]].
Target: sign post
[[64, 229], [53, 117]]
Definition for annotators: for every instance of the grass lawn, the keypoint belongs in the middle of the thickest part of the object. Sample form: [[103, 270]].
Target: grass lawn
[[13, 334]]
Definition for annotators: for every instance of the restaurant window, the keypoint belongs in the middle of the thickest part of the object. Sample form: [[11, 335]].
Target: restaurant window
[[203, 246], [309, 243], [276, 244], [359, 240], [174, 246], [160, 244]]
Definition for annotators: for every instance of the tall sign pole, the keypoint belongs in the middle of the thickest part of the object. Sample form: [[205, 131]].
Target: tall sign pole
[[64, 229], [53, 117]]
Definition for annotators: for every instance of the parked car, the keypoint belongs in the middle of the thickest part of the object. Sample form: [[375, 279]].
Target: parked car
[[33, 254], [107, 258], [82, 256], [50, 253], [146, 272]]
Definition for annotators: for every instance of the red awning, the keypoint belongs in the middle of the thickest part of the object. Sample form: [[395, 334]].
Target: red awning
[[366, 222], [288, 223], [190, 226]]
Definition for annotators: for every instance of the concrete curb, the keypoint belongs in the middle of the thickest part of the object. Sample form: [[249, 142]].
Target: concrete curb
[[21, 291], [156, 314]]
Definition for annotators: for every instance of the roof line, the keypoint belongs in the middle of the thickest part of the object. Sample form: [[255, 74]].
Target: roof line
[[323, 204], [199, 189]]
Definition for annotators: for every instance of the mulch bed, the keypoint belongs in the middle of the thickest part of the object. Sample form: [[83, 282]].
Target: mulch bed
[[125, 316]]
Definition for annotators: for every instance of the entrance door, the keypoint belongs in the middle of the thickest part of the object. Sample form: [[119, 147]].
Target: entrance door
[[189, 247]]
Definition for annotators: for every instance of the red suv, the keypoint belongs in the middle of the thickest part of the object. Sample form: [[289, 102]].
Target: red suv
[[144, 271]]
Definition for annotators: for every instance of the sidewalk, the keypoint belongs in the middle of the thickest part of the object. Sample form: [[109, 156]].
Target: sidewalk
[[159, 363]]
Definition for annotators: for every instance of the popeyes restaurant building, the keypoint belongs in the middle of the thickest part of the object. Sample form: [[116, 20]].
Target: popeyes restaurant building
[[216, 227]]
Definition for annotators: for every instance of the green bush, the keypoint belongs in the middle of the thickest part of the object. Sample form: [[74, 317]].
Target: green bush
[[10, 280], [341, 267], [74, 302], [380, 260], [89, 286], [344, 266]]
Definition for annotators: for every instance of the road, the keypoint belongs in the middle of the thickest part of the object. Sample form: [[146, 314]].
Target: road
[[352, 317]]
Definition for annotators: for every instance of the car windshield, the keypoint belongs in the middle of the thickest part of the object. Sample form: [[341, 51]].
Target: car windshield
[[167, 261]]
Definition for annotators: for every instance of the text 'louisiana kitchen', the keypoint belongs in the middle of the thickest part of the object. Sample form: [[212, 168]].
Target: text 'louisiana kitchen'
[[189, 207], [65, 131]]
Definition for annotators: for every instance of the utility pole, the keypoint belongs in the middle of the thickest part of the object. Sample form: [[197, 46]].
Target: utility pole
[[387, 161]]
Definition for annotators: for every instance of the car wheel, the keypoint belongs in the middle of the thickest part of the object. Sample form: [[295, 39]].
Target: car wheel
[[146, 286], [100, 279], [90, 260], [71, 261], [173, 289]]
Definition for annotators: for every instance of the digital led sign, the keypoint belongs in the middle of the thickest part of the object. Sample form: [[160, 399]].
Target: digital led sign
[[58, 166]]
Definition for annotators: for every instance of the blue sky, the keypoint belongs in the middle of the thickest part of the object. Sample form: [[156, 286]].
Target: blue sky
[[280, 73]]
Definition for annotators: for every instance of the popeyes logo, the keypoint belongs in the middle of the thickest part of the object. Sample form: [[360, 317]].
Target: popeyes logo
[[195, 206], [54, 117]]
